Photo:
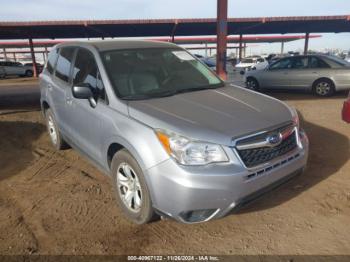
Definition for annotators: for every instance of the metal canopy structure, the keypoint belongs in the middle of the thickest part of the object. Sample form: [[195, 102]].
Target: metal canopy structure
[[221, 26], [171, 27], [177, 40]]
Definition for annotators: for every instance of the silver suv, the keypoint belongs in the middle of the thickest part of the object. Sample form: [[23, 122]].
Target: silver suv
[[176, 140]]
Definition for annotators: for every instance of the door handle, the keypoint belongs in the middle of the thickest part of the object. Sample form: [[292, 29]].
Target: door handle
[[69, 101]]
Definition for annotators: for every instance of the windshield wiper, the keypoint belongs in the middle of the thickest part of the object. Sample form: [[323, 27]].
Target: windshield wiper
[[170, 92], [192, 89]]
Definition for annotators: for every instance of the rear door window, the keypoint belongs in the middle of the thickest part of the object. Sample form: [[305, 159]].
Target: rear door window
[[64, 63], [299, 62], [316, 62]]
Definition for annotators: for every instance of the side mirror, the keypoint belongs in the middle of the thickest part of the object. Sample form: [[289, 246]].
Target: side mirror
[[83, 91]]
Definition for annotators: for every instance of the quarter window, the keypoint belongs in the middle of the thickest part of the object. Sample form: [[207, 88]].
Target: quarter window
[[64, 63]]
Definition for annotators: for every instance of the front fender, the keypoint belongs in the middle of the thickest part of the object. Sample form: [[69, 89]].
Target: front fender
[[141, 141]]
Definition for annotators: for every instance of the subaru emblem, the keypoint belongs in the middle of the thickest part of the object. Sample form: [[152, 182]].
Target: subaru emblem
[[274, 139]]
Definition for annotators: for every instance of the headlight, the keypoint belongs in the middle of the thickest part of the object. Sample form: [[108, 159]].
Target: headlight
[[295, 117], [188, 152]]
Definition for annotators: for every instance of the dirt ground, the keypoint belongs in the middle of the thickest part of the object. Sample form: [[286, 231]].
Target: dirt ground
[[57, 203]]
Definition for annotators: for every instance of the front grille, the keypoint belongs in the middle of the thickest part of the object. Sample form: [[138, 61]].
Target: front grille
[[257, 156]]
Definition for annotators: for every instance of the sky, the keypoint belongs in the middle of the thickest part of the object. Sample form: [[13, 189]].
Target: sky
[[29, 10]]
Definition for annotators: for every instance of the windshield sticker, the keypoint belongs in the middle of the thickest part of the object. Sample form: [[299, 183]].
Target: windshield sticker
[[183, 55]]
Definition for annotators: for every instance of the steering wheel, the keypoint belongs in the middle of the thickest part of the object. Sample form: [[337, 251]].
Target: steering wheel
[[168, 79]]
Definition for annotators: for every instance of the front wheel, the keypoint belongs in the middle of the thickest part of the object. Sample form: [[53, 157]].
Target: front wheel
[[252, 84], [29, 73], [323, 87], [132, 193]]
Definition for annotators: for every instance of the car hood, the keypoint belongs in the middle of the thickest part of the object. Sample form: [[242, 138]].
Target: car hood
[[215, 116]]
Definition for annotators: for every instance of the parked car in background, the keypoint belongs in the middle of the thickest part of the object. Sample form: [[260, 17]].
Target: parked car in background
[[252, 63], [323, 75], [176, 140], [346, 110], [11, 68], [347, 58], [38, 65], [210, 62], [2, 72]]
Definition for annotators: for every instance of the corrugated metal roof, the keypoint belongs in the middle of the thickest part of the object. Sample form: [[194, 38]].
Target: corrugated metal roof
[[165, 27]]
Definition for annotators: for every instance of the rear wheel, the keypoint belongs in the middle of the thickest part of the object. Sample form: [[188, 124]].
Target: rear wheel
[[253, 84], [323, 87], [132, 193]]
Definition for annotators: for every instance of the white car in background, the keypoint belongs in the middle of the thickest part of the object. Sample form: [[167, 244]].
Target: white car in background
[[10, 68], [347, 58], [252, 63]]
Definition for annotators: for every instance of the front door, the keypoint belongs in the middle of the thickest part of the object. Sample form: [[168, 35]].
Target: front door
[[87, 122], [277, 75], [300, 75]]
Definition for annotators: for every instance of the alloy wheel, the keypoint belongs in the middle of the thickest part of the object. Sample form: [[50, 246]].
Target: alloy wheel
[[129, 187], [252, 84], [52, 130], [323, 88]]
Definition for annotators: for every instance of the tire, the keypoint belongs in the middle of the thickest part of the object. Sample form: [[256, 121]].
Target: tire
[[252, 84], [128, 177], [323, 87], [29, 73], [54, 133]]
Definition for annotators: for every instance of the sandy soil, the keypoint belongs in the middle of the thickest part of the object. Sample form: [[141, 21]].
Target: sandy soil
[[57, 203]]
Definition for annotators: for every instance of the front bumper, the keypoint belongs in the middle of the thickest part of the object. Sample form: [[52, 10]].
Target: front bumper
[[212, 191]]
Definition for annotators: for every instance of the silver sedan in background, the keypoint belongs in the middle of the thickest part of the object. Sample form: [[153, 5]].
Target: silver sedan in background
[[321, 74]]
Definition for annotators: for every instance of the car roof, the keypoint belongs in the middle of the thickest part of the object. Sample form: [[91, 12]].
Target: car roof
[[105, 45]]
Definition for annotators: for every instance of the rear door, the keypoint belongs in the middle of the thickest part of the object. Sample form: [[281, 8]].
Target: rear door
[[87, 123], [276, 76], [60, 86]]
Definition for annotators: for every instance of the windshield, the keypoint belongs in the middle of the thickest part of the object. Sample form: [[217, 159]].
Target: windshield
[[147, 73], [247, 60]]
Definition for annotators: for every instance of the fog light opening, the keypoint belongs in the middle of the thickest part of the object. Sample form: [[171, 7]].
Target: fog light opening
[[196, 216]]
